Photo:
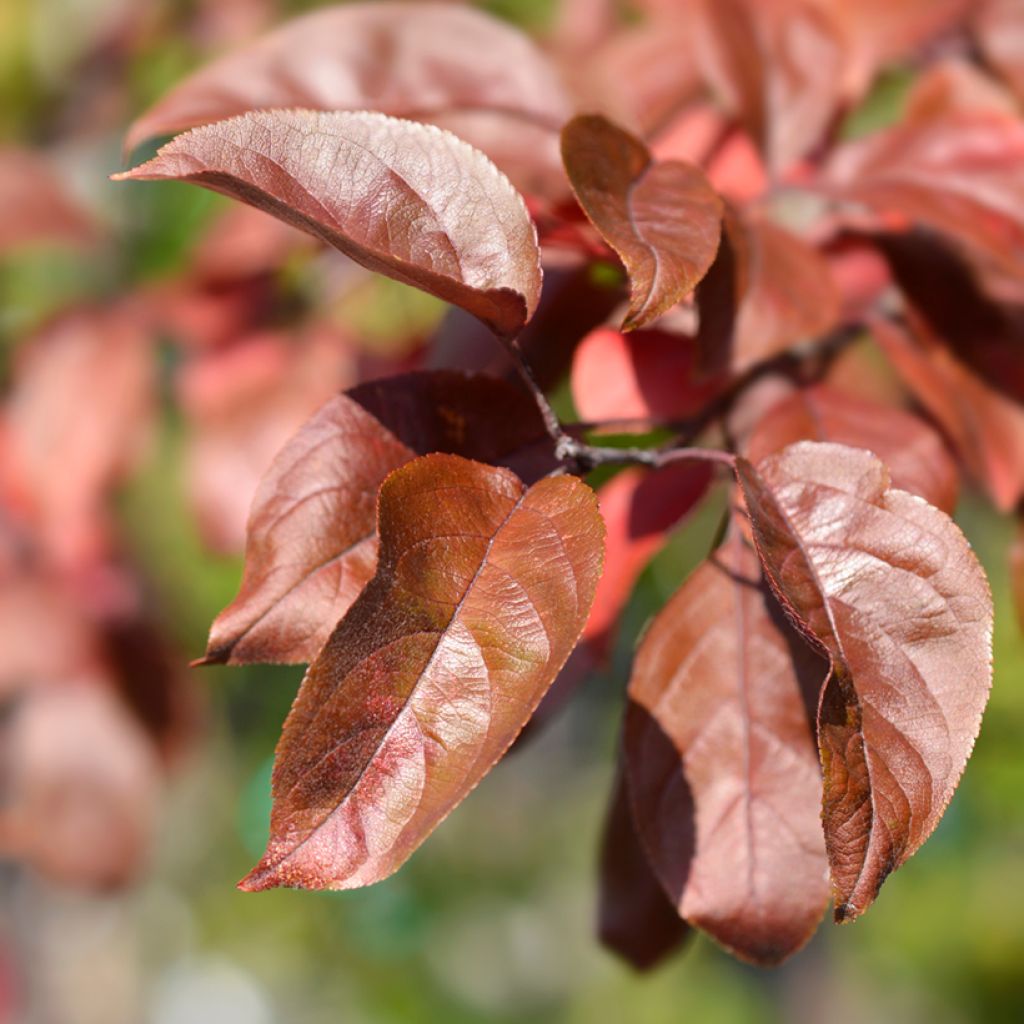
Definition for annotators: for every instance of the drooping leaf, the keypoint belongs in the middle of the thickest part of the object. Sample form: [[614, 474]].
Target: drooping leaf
[[648, 374], [890, 588], [482, 589], [311, 542], [957, 175], [767, 291], [416, 60], [662, 218], [635, 920], [407, 200], [917, 458], [721, 762], [985, 427]]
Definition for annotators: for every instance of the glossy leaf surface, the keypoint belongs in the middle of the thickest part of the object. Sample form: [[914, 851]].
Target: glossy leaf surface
[[482, 589], [404, 199], [721, 760], [890, 588], [663, 219]]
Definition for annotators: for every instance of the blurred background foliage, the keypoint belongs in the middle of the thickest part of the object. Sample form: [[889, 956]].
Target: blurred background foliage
[[492, 920]]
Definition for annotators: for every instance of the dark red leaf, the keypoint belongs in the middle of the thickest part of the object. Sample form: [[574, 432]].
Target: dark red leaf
[[663, 219], [915, 454], [890, 588], [721, 763], [404, 199], [481, 592], [312, 535], [635, 919]]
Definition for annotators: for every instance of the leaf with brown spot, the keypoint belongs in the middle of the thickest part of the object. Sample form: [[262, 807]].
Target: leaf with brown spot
[[916, 455], [404, 199], [483, 587], [312, 536], [721, 763], [662, 218], [890, 588]]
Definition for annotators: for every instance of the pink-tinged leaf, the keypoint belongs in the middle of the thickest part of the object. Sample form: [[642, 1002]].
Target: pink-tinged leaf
[[635, 919], [311, 541], [954, 87], [415, 60], [767, 291], [663, 219], [720, 758], [999, 29], [482, 589], [958, 175], [890, 588], [647, 375], [639, 509], [985, 427], [35, 206], [400, 198], [916, 455]]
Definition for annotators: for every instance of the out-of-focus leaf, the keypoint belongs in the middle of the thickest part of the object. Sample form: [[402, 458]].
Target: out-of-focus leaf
[[482, 589], [35, 206], [954, 87], [415, 60], [1017, 571], [635, 920], [916, 455], [767, 291], [721, 762], [663, 219], [401, 198], [890, 588], [641, 375], [957, 175], [311, 542], [985, 427], [999, 30]]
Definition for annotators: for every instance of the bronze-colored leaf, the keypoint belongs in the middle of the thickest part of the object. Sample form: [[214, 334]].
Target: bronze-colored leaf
[[890, 588], [311, 542], [721, 763], [916, 455], [482, 589], [401, 198], [634, 919], [662, 218]]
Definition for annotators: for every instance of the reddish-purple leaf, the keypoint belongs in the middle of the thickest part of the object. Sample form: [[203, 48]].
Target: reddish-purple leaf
[[985, 427], [890, 588], [721, 763], [663, 219], [312, 534], [416, 60], [767, 291], [404, 199], [916, 455], [482, 589], [959, 175], [635, 920]]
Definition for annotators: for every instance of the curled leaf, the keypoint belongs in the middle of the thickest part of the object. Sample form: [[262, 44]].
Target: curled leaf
[[890, 588], [404, 199], [482, 589], [662, 218]]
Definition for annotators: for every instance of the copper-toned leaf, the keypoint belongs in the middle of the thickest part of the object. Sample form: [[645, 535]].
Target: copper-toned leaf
[[767, 291], [312, 537], [955, 87], [958, 175], [917, 458], [721, 763], [482, 589], [662, 218], [985, 427], [889, 586], [406, 59], [404, 199], [634, 919]]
